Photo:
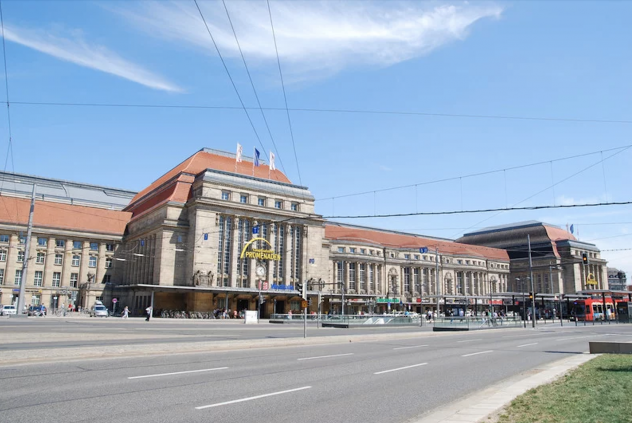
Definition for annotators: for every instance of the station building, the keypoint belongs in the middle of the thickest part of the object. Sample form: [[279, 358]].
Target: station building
[[212, 233]]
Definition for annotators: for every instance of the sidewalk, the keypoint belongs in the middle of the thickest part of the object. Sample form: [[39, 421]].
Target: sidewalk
[[484, 404]]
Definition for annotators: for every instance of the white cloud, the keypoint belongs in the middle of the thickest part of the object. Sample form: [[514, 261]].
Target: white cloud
[[385, 168], [76, 50], [314, 37]]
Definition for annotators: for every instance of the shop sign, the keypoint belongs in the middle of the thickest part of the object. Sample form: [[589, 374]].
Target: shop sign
[[283, 287], [259, 254], [387, 300]]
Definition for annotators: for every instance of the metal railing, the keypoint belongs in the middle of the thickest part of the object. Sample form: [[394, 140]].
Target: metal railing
[[478, 322]]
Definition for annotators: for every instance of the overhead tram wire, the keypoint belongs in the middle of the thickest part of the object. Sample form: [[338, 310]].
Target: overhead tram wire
[[287, 110], [328, 110], [243, 106], [472, 175], [252, 84], [621, 150], [441, 213]]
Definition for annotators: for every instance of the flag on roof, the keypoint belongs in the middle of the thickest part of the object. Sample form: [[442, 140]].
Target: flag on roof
[[240, 150], [272, 166], [572, 229], [256, 157]]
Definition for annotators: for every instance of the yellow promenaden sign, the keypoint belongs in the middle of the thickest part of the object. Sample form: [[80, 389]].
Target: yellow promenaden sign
[[259, 254], [591, 279]]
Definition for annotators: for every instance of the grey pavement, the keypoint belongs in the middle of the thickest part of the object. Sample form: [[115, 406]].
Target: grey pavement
[[395, 377]]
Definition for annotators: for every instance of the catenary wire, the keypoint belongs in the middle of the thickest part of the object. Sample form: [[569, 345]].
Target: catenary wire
[[450, 212], [287, 110], [325, 110], [243, 106]]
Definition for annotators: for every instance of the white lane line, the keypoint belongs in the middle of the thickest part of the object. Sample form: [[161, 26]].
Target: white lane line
[[469, 340], [178, 373], [252, 398], [414, 346], [476, 353], [526, 345], [323, 356], [399, 368]]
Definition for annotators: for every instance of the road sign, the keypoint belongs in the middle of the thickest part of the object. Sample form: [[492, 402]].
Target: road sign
[[423, 250], [255, 230], [114, 300], [304, 304]]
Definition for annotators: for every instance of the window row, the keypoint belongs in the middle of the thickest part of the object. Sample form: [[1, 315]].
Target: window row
[[261, 201], [38, 279], [59, 243], [40, 258], [365, 251]]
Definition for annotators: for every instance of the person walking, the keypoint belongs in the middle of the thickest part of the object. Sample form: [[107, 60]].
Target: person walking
[[148, 310], [125, 313]]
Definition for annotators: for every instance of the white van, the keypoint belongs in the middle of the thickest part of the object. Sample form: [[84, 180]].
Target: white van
[[7, 310]]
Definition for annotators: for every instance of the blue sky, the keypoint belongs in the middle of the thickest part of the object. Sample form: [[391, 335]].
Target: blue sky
[[554, 60]]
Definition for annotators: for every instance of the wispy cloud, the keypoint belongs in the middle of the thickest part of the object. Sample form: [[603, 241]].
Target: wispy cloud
[[315, 37], [76, 50], [384, 168]]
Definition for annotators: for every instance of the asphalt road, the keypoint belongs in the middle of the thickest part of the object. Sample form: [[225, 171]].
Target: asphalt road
[[378, 381]]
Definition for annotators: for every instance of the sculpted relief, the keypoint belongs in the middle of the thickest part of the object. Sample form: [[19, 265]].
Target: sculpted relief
[[202, 279]]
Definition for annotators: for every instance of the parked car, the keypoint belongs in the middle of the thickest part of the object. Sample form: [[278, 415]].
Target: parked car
[[7, 310], [99, 310]]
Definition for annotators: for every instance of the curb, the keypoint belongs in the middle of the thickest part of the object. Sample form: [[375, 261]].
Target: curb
[[477, 407]]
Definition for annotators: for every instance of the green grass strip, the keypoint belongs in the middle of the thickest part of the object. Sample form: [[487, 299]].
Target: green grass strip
[[599, 391]]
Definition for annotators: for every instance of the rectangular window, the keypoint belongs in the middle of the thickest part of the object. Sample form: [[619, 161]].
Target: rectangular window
[[92, 261], [59, 259], [243, 198], [4, 238], [341, 249], [20, 255], [109, 247], [362, 251], [75, 260], [39, 259], [18, 277], [407, 256], [108, 262], [416, 256], [352, 250], [278, 204], [1, 276], [94, 246], [261, 201], [225, 195], [57, 279], [362, 276], [352, 276], [74, 277], [36, 300], [371, 252], [3, 255], [339, 273], [106, 279], [406, 279], [42, 241], [294, 207], [60, 243], [77, 245], [22, 239], [39, 276]]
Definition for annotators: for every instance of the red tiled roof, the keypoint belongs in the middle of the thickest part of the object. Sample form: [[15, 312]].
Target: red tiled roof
[[48, 214], [203, 160], [390, 239], [557, 234]]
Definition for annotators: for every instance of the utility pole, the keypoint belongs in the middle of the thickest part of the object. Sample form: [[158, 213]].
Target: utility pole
[[27, 258], [532, 285]]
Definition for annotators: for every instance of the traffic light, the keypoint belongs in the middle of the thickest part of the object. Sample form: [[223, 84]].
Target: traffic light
[[299, 288], [584, 258], [261, 299], [530, 295]]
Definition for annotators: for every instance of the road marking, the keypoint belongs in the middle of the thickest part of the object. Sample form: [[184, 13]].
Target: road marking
[[414, 346], [252, 398], [469, 340], [399, 368], [476, 353], [576, 337], [526, 345], [323, 356], [178, 373]]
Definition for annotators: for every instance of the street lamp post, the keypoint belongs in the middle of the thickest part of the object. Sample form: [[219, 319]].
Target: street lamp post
[[524, 302]]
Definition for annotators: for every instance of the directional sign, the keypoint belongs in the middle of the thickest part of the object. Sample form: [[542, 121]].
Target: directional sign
[[255, 230], [304, 304], [423, 250]]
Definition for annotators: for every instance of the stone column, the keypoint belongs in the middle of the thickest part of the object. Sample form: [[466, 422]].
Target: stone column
[[48, 264], [100, 270], [234, 252], [83, 267], [12, 256], [287, 256], [66, 264]]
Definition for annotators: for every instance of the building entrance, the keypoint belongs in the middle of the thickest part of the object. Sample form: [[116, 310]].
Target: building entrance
[[279, 307], [243, 305]]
